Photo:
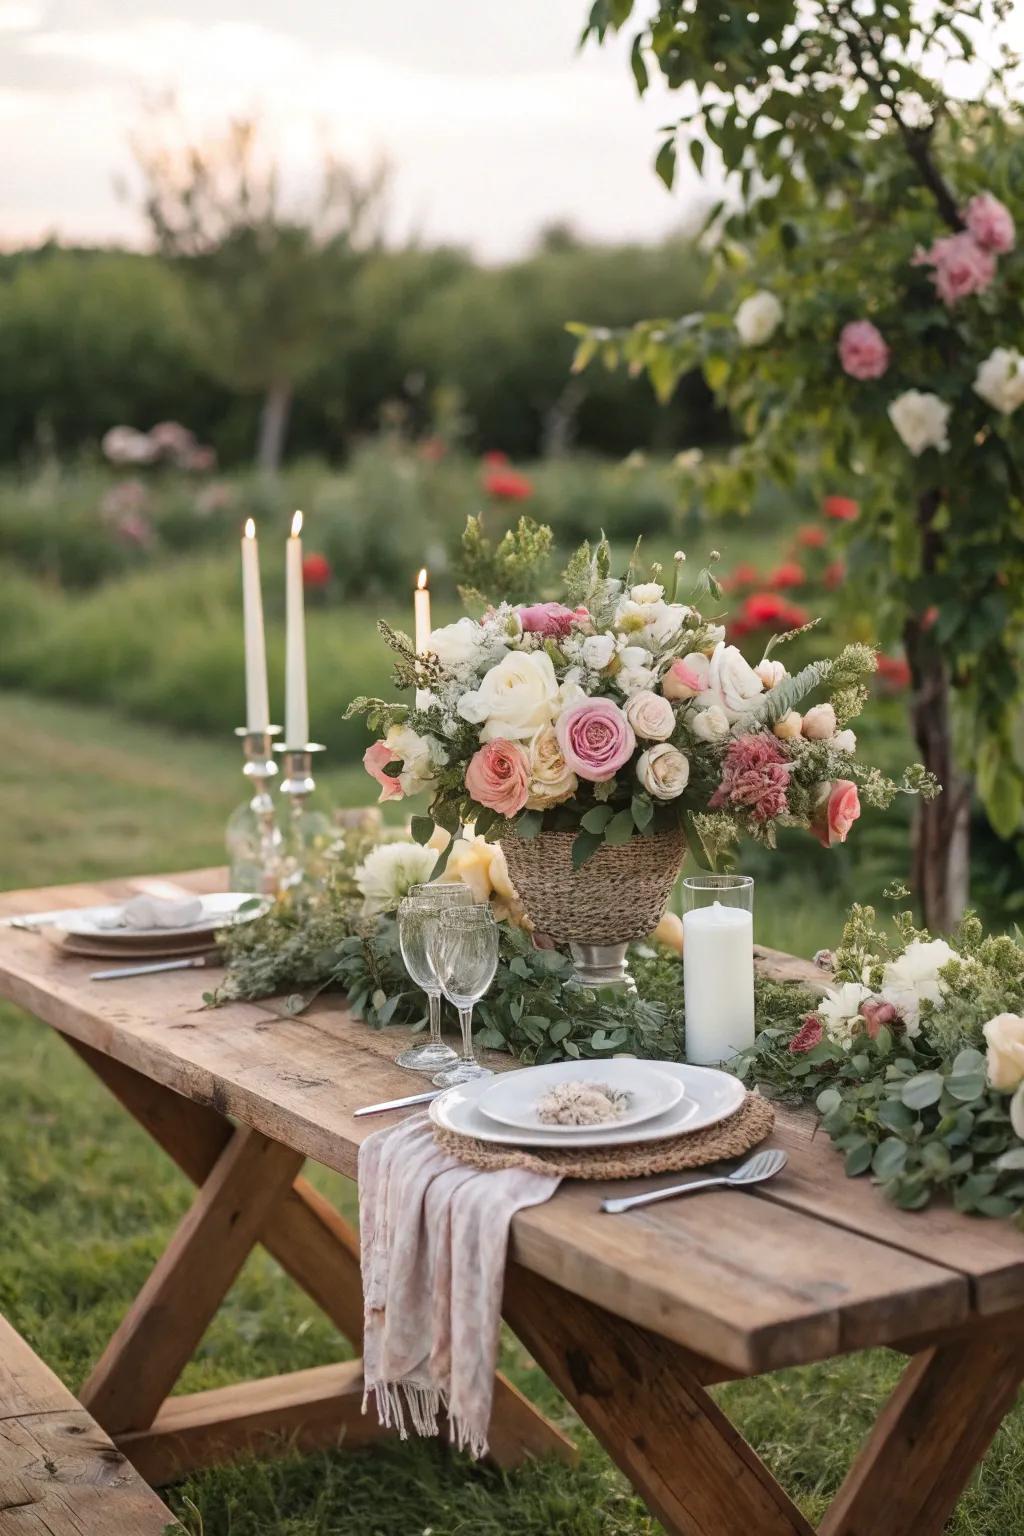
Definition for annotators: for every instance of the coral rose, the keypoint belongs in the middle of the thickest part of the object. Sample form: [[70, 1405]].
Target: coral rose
[[375, 760], [863, 351], [553, 620], [835, 813], [498, 776], [596, 739]]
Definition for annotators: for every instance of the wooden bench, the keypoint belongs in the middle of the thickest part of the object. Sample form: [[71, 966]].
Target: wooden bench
[[60, 1474]]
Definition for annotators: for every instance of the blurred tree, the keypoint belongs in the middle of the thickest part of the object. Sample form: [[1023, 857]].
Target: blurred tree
[[270, 280]]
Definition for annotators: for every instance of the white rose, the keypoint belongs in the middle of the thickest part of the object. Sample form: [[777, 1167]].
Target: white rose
[[732, 683], [757, 318], [845, 741], [634, 656], [1004, 1036], [771, 673], [651, 716], [1000, 379], [665, 622], [839, 1012], [515, 698], [569, 692], [710, 724], [921, 421], [914, 978], [456, 646], [789, 727], [421, 757], [819, 723], [647, 592], [663, 771], [598, 651], [630, 680]]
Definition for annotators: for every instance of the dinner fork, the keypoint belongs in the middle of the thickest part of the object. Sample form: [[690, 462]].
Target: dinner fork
[[763, 1165]]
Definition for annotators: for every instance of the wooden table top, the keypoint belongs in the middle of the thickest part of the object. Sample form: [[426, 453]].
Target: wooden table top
[[808, 1266]]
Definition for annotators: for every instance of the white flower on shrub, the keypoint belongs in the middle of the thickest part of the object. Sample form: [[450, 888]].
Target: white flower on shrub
[[914, 978], [757, 318], [1000, 379], [839, 1012], [921, 420], [387, 873]]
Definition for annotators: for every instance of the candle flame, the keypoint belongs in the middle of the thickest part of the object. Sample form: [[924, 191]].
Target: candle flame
[[296, 525], [250, 528], [421, 580]]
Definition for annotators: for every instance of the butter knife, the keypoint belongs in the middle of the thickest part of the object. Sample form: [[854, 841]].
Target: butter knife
[[412, 1098], [194, 963]]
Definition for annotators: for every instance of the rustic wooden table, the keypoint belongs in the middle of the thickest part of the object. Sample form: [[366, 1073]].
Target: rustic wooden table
[[632, 1317]]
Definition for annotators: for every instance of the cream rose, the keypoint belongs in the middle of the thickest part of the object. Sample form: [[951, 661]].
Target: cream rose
[[921, 421], [732, 683], [819, 723], [757, 318], [790, 726], [515, 699], [1004, 1036], [551, 779], [456, 646], [647, 592], [663, 771], [1000, 379], [771, 673], [710, 724], [651, 716]]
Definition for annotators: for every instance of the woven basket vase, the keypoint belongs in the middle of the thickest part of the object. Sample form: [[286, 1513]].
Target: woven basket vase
[[618, 895]]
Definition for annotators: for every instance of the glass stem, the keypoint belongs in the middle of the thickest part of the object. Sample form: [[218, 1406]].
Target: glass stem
[[466, 1025], [435, 1017]]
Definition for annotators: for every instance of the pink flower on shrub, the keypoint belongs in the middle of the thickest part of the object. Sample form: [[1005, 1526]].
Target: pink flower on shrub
[[837, 809], [552, 620], [789, 574], [807, 1036], [991, 223], [135, 528], [810, 536], [755, 777], [498, 776], [962, 266], [863, 351], [596, 739], [375, 760]]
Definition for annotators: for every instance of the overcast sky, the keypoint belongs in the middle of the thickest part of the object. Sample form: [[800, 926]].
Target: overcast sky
[[493, 122]]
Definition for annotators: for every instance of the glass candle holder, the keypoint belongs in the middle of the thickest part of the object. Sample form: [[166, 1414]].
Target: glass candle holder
[[306, 834], [718, 966]]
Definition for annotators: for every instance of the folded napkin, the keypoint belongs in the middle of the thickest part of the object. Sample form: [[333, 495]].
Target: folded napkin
[[156, 912], [434, 1238]]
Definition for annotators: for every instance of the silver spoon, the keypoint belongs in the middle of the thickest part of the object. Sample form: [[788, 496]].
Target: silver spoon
[[763, 1165]]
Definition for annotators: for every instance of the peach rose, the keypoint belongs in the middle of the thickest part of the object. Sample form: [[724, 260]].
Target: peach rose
[[836, 811], [498, 776], [819, 723], [1004, 1036], [375, 760], [651, 716], [790, 726], [686, 677]]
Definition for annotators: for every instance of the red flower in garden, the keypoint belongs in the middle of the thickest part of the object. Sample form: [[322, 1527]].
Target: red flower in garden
[[835, 575], [494, 458], [745, 575], [894, 672], [843, 509], [763, 608], [789, 574], [929, 617], [807, 1036], [507, 485], [316, 571], [810, 536]]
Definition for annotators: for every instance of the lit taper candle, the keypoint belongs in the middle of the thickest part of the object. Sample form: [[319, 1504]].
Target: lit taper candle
[[296, 711], [257, 705], [421, 604]]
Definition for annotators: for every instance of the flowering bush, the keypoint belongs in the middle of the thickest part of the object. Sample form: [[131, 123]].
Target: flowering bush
[[616, 712]]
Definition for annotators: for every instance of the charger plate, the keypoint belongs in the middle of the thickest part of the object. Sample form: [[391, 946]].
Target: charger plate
[[511, 1097]]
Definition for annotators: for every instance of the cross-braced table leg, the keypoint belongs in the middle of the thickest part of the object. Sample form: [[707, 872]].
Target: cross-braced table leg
[[249, 1193]]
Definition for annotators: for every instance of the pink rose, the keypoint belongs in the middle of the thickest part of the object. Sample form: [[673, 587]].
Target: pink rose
[[962, 266], [553, 620], [837, 809], [991, 223], [863, 351], [596, 739], [807, 1036], [755, 777], [375, 760], [876, 1013], [686, 678], [498, 776]]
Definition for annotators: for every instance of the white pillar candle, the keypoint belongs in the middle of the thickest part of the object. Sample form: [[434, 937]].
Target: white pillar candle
[[296, 716], [257, 705], [718, 975], [421, 632]]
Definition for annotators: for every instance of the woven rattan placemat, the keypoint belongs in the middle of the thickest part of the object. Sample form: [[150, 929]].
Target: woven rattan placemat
[[751, 1123]]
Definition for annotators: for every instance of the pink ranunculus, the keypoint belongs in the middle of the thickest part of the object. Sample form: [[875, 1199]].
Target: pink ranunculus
[[684, 680], [837, 809], [498, 776], [863, 350], [596, 739], [755, 777], [875, 1013], [375, 760], [552, 620], [807, 1036], [991, 223], [962, 266]]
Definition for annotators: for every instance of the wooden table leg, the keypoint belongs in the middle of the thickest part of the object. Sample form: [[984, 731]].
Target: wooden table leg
[[931, 1434], [641, 1398]]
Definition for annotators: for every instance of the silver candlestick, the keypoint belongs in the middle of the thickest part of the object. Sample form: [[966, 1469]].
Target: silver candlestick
[[253, 836], [306, 832]]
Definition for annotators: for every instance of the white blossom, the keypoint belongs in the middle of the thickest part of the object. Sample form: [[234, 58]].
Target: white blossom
[[1000, 379], [921, 420], [757, 318]]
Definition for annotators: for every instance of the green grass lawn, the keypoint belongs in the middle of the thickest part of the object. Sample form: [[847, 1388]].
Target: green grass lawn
[[87, 1203]]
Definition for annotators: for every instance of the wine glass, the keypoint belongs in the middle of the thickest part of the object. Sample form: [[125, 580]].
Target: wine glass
[[464, 947], [417, 915]]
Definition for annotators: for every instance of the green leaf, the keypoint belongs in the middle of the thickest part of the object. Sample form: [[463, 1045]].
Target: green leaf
[[620, 829], [895, 1116], [559, 1029], [1010, 1162], [422, 828], [643, 811], [858, 1158], [828, 1100], [966, 1086], [697, 155], [890, 1156], [597, 818], [529, 824], [922, 1091], [636, 62], [665, 163], [584, 845]]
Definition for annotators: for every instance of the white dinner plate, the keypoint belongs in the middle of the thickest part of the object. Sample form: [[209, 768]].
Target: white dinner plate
[[511, 1098], [708, 1096], [220, 910]]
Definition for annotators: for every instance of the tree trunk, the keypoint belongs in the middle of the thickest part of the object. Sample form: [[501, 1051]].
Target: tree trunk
[[277, 405], [941, 868]]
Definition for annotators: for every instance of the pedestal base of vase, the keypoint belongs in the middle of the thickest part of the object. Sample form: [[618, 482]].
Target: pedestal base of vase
[[462, 1072], [431, 1057], [602, 965]]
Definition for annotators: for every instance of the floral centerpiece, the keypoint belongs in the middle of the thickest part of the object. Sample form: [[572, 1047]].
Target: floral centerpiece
[[591, 734]]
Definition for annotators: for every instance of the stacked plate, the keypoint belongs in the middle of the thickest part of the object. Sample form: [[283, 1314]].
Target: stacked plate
[[659, 1099], [103, 932]]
